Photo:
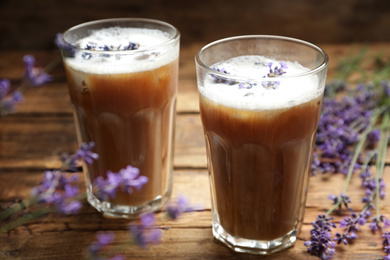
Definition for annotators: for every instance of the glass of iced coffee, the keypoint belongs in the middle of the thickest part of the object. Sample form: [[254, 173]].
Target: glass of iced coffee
[[122, 76], [260, 102]]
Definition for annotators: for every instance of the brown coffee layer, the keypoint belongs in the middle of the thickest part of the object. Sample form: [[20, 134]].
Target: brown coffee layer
[[259, 162], [130, 117]]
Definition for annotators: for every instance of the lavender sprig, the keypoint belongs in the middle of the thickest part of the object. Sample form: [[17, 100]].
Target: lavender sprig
[[58, 191], [320, 243], [348, 139], [33, 77]]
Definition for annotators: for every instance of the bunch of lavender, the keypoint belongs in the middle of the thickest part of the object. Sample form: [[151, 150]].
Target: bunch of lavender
[[59, 193], [353, 132], [33, 77]]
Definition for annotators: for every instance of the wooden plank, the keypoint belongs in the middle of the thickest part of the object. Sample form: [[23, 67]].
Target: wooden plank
[[45, 138], [187, 238], [16, 185], [27, 141], [53, 97], [32, 140]]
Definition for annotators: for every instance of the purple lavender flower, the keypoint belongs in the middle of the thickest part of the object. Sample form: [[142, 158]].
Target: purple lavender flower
[[385, 221], [127, 179], [8, 104], [373, 138], [220, 79], [132, 179], [374, 225], [339, 127], [104, 239], [85, 153], [349, 223], [4, 87], [342, 200], [386, 241], [68, 49], [71, 207], [8, 100], [144, 234], [245, 85], [131, 46], [276, 71], [176, 208], [270, 84], [320, 243], [60, 190], [36, 77]]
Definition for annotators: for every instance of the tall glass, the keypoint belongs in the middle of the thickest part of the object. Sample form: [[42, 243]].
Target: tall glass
[[122, 76], [260, 102]]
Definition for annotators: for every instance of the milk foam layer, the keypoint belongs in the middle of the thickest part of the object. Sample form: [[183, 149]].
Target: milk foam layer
[[289, 91], [114, 62]]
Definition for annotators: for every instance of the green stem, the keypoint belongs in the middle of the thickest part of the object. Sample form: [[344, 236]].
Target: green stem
[[380, 162], [26, 218], [16, 208]]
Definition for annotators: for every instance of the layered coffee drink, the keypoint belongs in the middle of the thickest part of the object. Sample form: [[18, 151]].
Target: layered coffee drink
[[124, 100], [259, 123]]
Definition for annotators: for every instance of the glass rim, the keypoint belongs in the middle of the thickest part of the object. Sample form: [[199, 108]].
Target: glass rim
[[172, 39], [208, 69]]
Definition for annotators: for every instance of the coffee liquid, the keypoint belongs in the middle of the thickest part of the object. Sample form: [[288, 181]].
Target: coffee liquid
[[259, 158], [126, 106]]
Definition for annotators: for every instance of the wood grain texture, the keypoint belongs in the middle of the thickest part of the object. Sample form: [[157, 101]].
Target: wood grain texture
[[187, 238], [32, 139]]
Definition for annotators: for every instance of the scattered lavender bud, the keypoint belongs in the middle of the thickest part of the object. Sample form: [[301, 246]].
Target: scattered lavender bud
[[245, 85], [220, 79], [276, 71], [144, 234], [103, 239], [176, 208]]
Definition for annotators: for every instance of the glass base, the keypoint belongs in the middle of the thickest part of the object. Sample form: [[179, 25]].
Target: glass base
[[258, 247], [111, 210]]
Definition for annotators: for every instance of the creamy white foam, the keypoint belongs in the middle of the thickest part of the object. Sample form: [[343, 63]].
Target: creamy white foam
[[287, 92], [123, 62]]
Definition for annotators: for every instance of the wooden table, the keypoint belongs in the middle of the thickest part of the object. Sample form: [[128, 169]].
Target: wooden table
[[32, 139]]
